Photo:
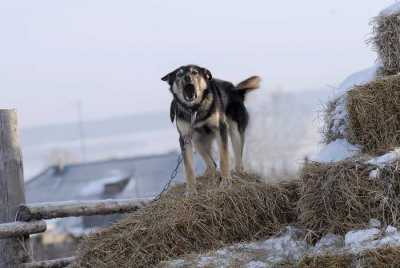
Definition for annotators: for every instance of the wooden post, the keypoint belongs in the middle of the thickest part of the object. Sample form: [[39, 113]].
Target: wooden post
[[13, 251]]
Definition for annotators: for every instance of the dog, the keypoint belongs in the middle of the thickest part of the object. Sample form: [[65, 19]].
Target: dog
[[206, 108]]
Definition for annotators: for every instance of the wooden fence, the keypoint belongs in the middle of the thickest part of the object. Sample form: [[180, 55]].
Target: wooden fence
[[19, 220]]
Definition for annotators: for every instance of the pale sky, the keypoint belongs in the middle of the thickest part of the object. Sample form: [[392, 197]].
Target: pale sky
[[110, 55]]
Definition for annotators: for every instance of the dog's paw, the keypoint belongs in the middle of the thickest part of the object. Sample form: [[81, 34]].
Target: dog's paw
[[226, 182], [190, 192], [240, 170], [210, 172]]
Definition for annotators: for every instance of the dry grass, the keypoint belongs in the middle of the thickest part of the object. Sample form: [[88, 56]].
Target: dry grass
[[383, 257], [327, 261], [340, 196], [177, 225], [386, 41], [374, 114], [379, 258]]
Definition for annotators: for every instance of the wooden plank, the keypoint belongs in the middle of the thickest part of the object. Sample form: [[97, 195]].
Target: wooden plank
[[41, 211], [13, 251], [58, 263], [20, 228]]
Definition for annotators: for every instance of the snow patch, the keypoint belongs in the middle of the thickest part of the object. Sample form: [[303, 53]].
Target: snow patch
[[327, 243], [338, 118], [374, 223], [337, 150], [374, 174], [256, 264], [291, 246], [358, 237], [358, 78], [391, 10], [390, 230], [385, 159]]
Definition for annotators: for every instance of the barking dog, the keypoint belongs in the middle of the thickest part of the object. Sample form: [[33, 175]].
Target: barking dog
[[204, 109]]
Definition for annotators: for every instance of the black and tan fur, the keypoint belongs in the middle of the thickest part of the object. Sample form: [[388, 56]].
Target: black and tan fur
[[204, 109]]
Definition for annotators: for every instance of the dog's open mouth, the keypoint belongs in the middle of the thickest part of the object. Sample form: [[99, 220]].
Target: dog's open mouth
[[189, 92]]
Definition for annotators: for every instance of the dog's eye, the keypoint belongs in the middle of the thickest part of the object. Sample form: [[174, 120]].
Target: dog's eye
[[195, 72]]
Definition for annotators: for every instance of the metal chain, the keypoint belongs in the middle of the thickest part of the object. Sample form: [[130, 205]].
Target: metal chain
[[174, 173]]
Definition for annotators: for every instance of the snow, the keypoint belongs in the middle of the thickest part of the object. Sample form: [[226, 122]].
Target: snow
[[256, 264], [391, 10], [340, 149], [385, 159], [391, 230], [328, 242], [339, 117], [290, 246], [358, 237], [374, 174], [374, 223], [337, 150], [358, 78], [97, 187]]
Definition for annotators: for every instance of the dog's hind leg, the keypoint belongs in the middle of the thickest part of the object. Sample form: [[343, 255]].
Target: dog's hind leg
[[224, 154], [203, 145], [237, 143]]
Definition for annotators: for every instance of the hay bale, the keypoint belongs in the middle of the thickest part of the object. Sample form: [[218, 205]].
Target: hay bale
[[177, 225], [338, 197], [374, 114], [386, 41]]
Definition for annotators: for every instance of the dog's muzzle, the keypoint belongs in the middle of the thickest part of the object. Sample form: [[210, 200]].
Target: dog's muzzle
[[189, 92]]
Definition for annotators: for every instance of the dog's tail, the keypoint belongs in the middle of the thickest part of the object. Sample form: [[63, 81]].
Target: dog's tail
[[250, 84]]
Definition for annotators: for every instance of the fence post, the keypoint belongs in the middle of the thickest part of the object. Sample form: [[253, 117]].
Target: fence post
[[13, 251]]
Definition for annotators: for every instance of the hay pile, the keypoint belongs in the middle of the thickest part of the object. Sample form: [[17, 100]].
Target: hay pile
[[386, 41], [378, 258], [374, 114], [341, 196], [177, 225]]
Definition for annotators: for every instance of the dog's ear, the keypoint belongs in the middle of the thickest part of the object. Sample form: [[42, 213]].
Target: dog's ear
[[170, 78], [207, 74]]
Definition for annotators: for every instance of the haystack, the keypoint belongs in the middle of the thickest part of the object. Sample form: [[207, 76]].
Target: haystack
[[338, 197], [374, 114], [177, 225], [386, 39]]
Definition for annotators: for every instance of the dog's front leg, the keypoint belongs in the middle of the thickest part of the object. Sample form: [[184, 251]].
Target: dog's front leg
[[224, 154], [187, 154]]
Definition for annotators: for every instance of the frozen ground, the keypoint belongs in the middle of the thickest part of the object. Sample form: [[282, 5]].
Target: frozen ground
[[290, 246]]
